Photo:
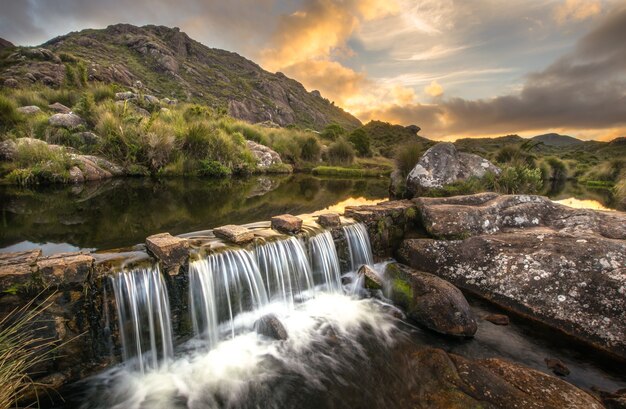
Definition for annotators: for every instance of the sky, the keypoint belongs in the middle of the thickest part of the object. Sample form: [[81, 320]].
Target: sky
[[456, 68]]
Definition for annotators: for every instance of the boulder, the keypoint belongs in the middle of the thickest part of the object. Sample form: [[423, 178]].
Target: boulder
[[87, 138], [265, 156], [59, 108], [123, 96], [329, 220], [371, 280], [171, 251], [498, 319], [69, 121], [574, 283], [234, 233], [11, 83], [442, 164], [8, 150], [286, 223], [430, 301], [270, 326], [29, 110], [439, 380], [151, 99]]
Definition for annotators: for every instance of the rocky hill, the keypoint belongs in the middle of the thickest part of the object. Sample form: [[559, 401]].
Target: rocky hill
[[167, 63]]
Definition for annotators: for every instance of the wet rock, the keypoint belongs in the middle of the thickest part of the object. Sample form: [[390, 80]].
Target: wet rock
[[265, 156], [489, 213], [270, 326], [171, 251], [574, 283], [371, 279], [329, 220], [286, 223], [76, 175], [498, 319], [65, 268], [613, 400], [59, 108], [16, 268], [441, 381], [430, 301], [69, 121], [29, 110], [234, 233], [442, 164], [557, 366]]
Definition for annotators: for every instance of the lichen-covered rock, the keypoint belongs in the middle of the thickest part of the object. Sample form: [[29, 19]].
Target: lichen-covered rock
[[29, 110], [430, 301], [59, 108], [8, 150], [443, 164], [329, 220], [234, 233], [286, 223], [171, 251], [265, 156], [576, 283], [69, 121]]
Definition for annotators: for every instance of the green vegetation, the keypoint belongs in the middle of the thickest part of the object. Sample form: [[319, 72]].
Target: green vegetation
[[349, 172], [340, 153], [360, 141], [407, 155]]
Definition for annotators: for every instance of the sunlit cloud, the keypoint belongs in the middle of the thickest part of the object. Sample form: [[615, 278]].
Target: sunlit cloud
[[572, 11], [434, 89]]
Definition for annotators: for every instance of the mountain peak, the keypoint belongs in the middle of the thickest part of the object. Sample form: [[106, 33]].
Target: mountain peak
[[555, 139]]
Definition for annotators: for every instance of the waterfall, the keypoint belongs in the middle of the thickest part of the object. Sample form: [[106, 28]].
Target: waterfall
[[285, 268], [324, 261], [221, 286], [144, 317], [358, 245]]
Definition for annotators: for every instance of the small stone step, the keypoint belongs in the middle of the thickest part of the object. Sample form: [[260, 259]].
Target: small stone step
[[234, 233], [286, 223], [171, 251], [329, 220]]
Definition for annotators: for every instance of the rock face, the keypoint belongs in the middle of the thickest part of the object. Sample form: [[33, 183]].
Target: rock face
[[443, 164], [286, 223], [233, 233], [430, 301], [564, 267], [171, 251], [439, 380], [265, 156], [69, 121]]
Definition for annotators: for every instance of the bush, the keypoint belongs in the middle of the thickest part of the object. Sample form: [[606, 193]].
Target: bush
[[515, 179], [211, 168], [558, 169], [608, 171], [196, 142], [332, 132], [340, 153], [407, 155], [36, 163], [311, 149], [361, 142], [619, 191], [515, 156], [86, 108]]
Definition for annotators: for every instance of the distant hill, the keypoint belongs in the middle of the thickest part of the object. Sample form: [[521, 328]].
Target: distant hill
[[481, 146], [5, 44], [170, 64], [386, 137], [555, 139]]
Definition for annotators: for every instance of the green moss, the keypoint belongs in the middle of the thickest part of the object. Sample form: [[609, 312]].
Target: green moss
[[411, 213]]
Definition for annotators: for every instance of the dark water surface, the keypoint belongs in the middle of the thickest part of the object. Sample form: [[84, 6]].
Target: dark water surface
[[123, 212]]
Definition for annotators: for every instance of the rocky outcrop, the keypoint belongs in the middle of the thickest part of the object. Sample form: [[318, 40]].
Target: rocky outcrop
[[286, 223], [438, 380], [265, 157], [69, 121], [430, 301], [443, 164], [564, 267]]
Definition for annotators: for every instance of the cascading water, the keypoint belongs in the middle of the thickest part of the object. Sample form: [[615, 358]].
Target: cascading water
[[358, 245], [324, 262], [143, 313], [221, 286], [285, 268]]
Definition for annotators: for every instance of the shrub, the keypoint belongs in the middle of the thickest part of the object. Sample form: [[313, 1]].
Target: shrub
[[37, 163], [196, 142], [361, 142], [9, 116], [211, 168], [515, 179], [515, 156], [332, 131], [86, 108], [340, 153], [311, 149], [619, 191], [70, 75], [609, 170], [407, 155], [558, 168]]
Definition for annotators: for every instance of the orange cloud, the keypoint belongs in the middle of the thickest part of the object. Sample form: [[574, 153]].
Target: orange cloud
[[434, 89], [576, 10]]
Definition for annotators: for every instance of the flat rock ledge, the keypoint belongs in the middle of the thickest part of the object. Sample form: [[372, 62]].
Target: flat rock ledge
[[171, 251], [286, 223], [234, 233], [329, 220]]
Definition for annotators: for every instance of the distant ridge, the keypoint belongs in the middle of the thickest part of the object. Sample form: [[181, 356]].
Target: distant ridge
[[555, 139]]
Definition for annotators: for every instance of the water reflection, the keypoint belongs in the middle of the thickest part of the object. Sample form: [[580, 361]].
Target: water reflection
[[122, 212], [583, 204]]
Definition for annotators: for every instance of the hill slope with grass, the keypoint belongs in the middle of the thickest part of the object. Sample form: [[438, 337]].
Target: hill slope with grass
[[167, 63], [555, 139]]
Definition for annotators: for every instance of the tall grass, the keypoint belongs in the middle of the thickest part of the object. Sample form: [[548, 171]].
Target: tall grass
[[407, 155], [21, 349]]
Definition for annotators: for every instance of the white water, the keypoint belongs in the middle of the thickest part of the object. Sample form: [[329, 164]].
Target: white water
[[358, 245], [324, 262], [144, 317]]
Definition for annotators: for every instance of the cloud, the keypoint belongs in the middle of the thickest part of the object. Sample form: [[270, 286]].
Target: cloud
[[585, 89], [572, 11], [434, 89]]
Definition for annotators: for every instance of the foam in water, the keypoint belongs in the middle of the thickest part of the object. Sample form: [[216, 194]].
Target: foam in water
[[358, 245], [324, 262], [222, 286], [143, 313]]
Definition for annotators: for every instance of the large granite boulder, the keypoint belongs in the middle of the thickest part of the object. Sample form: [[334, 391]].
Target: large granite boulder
[[564, 267], [265, 156], [430, 301], [443, 164]]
